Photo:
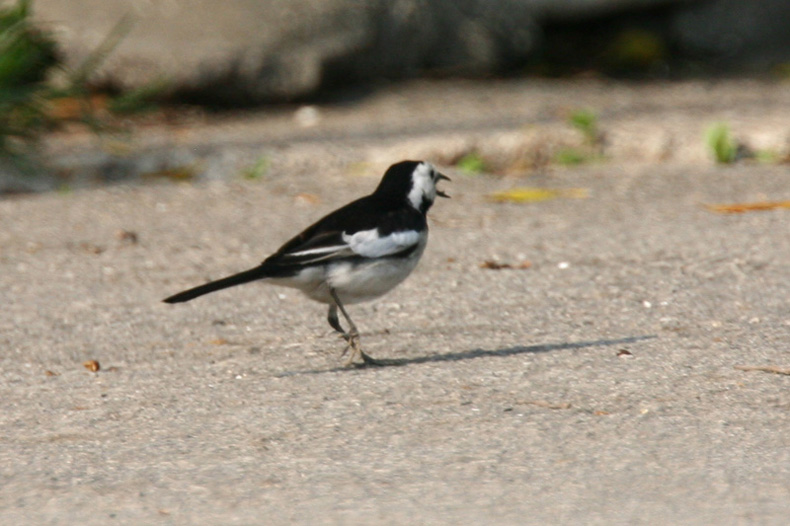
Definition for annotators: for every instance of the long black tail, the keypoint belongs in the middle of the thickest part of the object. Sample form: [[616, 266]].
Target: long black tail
[[230, 281]]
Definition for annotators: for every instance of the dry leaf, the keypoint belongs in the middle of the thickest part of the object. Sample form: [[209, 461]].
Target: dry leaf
[[127, 236], [91, 365], [548, 405], [740, 208], [495, 265], [176, 173], [305, 198], [91, 248], [535, 195], [73, 108], [764, 368], [51, 373]]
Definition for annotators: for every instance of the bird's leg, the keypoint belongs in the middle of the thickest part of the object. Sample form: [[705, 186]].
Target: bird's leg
[[335, 324], [352, 336], [333, 321]]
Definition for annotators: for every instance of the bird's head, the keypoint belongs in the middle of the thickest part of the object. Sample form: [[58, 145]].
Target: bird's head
[[413, 180]]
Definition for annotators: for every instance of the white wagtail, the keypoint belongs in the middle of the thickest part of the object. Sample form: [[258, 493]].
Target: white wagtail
[[356, 253]]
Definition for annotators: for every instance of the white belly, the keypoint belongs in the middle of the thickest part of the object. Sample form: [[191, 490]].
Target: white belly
[[355, 282]]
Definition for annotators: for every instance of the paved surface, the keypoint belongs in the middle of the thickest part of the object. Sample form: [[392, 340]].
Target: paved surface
[[598, 386]]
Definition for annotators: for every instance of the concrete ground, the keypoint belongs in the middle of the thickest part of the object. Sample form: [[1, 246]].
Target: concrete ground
[[624, 377]]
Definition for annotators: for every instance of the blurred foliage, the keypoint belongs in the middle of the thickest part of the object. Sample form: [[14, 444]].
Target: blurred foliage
[[616, 46], [634, 49], [472, 163], [258, 170], [571, 157], [27, 54], [139, 100], [32, 101], [586, 121], [725, 149], [721, 144], [768, 156]]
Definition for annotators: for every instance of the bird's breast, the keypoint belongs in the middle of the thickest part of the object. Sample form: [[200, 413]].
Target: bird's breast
[[368, 278]]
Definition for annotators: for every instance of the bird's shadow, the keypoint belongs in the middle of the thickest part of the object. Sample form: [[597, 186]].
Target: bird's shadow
[[475, 353]]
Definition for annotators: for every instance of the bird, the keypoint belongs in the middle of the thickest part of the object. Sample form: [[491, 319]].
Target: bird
[[357, 253]]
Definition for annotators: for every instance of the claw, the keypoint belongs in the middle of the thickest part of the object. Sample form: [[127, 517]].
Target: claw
[[345, 350]]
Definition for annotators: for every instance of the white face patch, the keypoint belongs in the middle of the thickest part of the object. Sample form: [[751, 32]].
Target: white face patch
[[422, 185]]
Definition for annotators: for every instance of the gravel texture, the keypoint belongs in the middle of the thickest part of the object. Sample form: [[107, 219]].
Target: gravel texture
[[600, 385]]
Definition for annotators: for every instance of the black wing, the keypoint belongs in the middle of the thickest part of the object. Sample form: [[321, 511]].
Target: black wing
[[389, 229]]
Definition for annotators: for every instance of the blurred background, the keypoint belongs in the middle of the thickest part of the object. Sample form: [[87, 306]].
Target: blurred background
[[95, 91]]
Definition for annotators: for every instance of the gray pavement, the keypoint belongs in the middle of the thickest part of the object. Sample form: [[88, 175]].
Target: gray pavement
[[598, 386]]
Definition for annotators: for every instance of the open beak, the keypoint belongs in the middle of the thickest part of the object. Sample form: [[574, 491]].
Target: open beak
[[440, 177]]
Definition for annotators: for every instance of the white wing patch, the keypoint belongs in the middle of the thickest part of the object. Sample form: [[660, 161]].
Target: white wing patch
[[314, 255], [318, 251], [370, 244]]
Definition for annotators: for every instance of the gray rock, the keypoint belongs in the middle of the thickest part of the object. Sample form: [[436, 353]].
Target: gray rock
[[251, 51]]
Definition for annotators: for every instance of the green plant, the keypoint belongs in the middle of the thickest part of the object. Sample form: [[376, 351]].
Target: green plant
[[27, 53], [138, 100], [471, 164], [26, 56], [571, 157], [586, 121], [767, 156], [77, 80], [258, 170], [721, 144], [29, 100]]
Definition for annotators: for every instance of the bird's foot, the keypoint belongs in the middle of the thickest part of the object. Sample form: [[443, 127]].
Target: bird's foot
[[347, 347], [353, 345]]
